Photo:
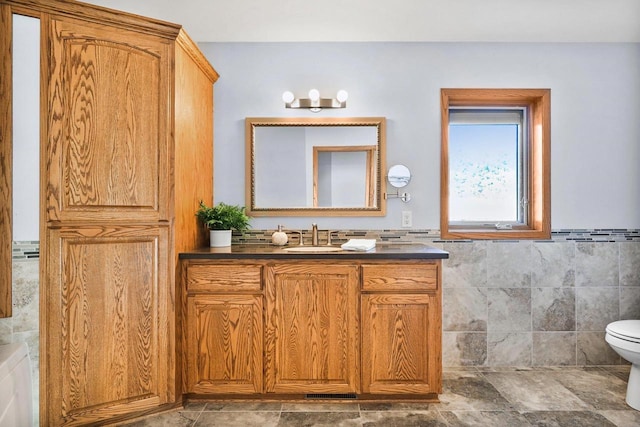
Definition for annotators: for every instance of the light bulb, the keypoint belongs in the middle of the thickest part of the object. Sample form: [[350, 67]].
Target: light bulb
[[342, 95], [288, 97], [314, 95]]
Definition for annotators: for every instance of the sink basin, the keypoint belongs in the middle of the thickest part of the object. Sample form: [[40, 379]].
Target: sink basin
[[313, 249]]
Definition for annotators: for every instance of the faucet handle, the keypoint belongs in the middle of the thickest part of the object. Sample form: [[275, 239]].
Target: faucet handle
[[329, 233], [300, 240]]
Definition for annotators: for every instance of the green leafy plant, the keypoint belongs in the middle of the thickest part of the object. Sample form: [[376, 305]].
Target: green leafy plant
[[223, 217]]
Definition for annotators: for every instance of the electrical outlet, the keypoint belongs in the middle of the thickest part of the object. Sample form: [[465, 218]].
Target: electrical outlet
[[407, 220]]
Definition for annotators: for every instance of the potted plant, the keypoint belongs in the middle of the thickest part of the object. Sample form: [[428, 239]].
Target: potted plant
[[220, 220]]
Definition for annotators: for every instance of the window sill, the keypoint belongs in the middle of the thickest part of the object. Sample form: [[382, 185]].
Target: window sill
[[475, 234]]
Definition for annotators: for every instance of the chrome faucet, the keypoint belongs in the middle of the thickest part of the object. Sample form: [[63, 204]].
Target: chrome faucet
[[314, 234]]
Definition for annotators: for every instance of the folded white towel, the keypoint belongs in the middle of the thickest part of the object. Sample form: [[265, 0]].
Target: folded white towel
[[359, 245]]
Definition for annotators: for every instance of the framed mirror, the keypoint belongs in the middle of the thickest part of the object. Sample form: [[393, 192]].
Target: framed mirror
[[315, 166]]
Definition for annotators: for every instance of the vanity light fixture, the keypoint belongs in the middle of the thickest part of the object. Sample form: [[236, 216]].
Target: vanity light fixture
[[314, 102]]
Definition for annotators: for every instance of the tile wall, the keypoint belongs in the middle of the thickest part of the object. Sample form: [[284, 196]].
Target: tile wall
[[528, 303], [536, 303]]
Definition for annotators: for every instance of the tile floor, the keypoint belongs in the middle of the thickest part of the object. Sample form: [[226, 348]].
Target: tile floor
[[508, 397]]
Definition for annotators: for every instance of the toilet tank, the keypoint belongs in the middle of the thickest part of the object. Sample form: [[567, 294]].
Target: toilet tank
[[15, 383]]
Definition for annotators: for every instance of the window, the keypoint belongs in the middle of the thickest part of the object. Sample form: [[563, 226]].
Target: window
[[487, 164], [495, 164]]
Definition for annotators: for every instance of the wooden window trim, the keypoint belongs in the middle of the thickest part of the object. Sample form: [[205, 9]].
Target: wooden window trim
[[538, 102]]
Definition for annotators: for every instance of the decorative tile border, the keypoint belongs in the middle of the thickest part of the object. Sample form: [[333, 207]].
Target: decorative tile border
[[597, 234], [22, 251], [433, 235]]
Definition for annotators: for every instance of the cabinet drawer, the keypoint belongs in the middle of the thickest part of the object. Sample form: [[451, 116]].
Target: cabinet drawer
[[223, 278], [395, 277]]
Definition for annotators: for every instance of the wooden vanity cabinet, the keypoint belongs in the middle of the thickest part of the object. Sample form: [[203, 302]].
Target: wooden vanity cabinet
[[224, 329], [401, 328], [370, 328]]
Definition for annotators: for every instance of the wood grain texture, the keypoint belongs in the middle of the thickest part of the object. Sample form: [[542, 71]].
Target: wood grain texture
[[191, 167], [224, 334], [108, 181], [311, 330], [398, 344], [6, 160], [318, 338], [109, 293], [111, 159], [193, 152], [400, 277], [223, 278], [107, 124], [96, 14], [190, 48], [107, 136]]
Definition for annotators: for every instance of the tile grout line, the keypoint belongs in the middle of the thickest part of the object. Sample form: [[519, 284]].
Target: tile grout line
[[198, 416]]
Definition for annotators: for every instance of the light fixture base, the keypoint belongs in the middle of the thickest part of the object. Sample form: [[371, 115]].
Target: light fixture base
[[315, 105]]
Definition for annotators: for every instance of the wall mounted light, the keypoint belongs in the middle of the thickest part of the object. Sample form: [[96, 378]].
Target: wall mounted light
[[314, 102]]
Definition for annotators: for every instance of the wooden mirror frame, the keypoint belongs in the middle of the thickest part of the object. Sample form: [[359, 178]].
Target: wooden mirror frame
[[376, 180], [370, 153]]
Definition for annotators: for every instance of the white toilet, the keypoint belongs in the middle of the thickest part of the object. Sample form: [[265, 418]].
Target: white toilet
[[624, 337]]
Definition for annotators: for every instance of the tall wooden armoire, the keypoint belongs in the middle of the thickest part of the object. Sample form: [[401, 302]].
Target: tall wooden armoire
[[126, 155]]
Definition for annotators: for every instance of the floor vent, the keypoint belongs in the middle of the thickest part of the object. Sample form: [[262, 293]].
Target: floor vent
[[331, 396]]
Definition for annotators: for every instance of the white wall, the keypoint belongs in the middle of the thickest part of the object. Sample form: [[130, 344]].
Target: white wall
[[26, 128], [595, 101], [595, 92]]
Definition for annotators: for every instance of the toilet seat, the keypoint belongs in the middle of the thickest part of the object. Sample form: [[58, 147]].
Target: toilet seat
[[628, 330]]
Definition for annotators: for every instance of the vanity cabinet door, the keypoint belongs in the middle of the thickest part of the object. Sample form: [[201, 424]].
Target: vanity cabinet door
[[224, 344], [400, 344], [312, 328]]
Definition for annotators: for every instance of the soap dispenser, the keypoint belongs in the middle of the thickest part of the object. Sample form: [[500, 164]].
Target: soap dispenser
[[279, 238]]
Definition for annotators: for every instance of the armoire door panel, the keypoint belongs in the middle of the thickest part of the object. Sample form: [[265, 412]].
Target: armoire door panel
[[110, 159], [110, 293], [107, 135]]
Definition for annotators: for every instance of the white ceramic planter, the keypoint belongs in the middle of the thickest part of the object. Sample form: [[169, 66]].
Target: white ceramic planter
[[219, 238]]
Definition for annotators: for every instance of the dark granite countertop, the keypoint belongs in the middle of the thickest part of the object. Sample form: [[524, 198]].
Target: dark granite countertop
[[260, 251]]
